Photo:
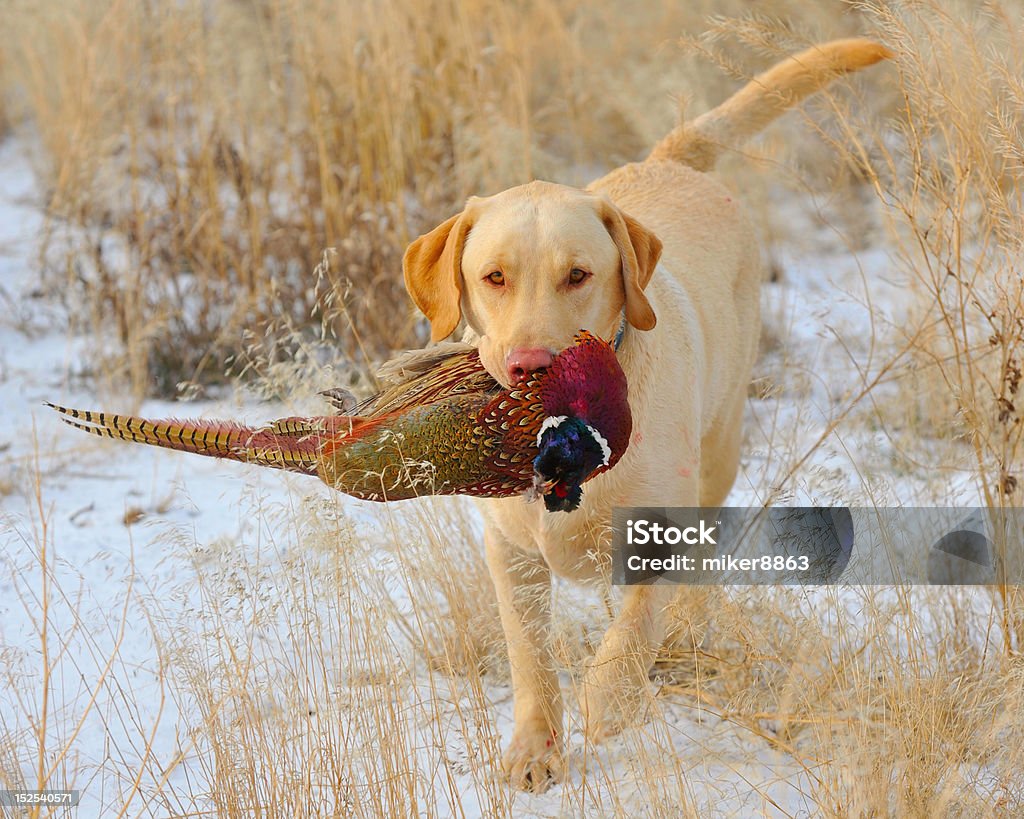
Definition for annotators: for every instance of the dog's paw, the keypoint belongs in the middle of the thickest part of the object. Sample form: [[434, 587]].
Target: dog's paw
[[534, 760]]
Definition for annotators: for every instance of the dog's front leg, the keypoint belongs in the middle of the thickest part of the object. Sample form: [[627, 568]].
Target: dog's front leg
[[534, 758], [615, 682]]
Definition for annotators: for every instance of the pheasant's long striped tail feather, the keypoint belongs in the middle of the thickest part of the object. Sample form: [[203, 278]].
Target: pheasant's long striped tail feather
[[293, 444]]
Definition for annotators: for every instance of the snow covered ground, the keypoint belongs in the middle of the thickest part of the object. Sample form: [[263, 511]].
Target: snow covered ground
[[114, 522], [134, 538]]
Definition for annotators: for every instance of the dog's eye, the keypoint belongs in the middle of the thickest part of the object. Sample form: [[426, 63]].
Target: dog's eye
[[497, 278], [577, 276]]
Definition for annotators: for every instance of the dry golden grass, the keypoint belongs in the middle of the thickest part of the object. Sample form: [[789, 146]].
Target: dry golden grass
[[950, 175], [355, 668], [199, 157], [197, 161]]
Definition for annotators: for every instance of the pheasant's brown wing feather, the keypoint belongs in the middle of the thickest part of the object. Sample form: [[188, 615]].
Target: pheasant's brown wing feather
[[410, 364], [426, 376]]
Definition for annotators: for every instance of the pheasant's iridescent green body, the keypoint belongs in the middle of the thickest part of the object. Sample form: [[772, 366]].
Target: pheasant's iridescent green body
[[442, 448], [446, 427]]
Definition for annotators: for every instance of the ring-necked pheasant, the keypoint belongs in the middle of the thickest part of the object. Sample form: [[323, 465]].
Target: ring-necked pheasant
[[444, 427]]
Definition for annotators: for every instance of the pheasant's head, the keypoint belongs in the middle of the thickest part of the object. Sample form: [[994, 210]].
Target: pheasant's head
[[587, 420]]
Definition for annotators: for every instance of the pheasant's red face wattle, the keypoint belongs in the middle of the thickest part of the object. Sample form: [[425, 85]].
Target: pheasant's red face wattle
[[587, 422], [585, 381]]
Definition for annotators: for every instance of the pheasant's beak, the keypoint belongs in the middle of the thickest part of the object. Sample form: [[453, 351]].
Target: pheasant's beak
[[548, 487], [543, 487]]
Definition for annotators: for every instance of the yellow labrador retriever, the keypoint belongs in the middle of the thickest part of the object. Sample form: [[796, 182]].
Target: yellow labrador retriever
[[668, 248]]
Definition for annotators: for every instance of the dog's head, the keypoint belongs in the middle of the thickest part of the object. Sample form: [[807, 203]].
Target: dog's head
[[529, 267]]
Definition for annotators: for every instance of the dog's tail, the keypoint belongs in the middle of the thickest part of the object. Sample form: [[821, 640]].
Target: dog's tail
[[700, 142]]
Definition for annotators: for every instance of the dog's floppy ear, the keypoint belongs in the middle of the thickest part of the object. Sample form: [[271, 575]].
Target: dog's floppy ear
[[432, 266], [639, 250]]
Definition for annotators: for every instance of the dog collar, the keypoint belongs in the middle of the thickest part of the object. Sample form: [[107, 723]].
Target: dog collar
[[620, 332]]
